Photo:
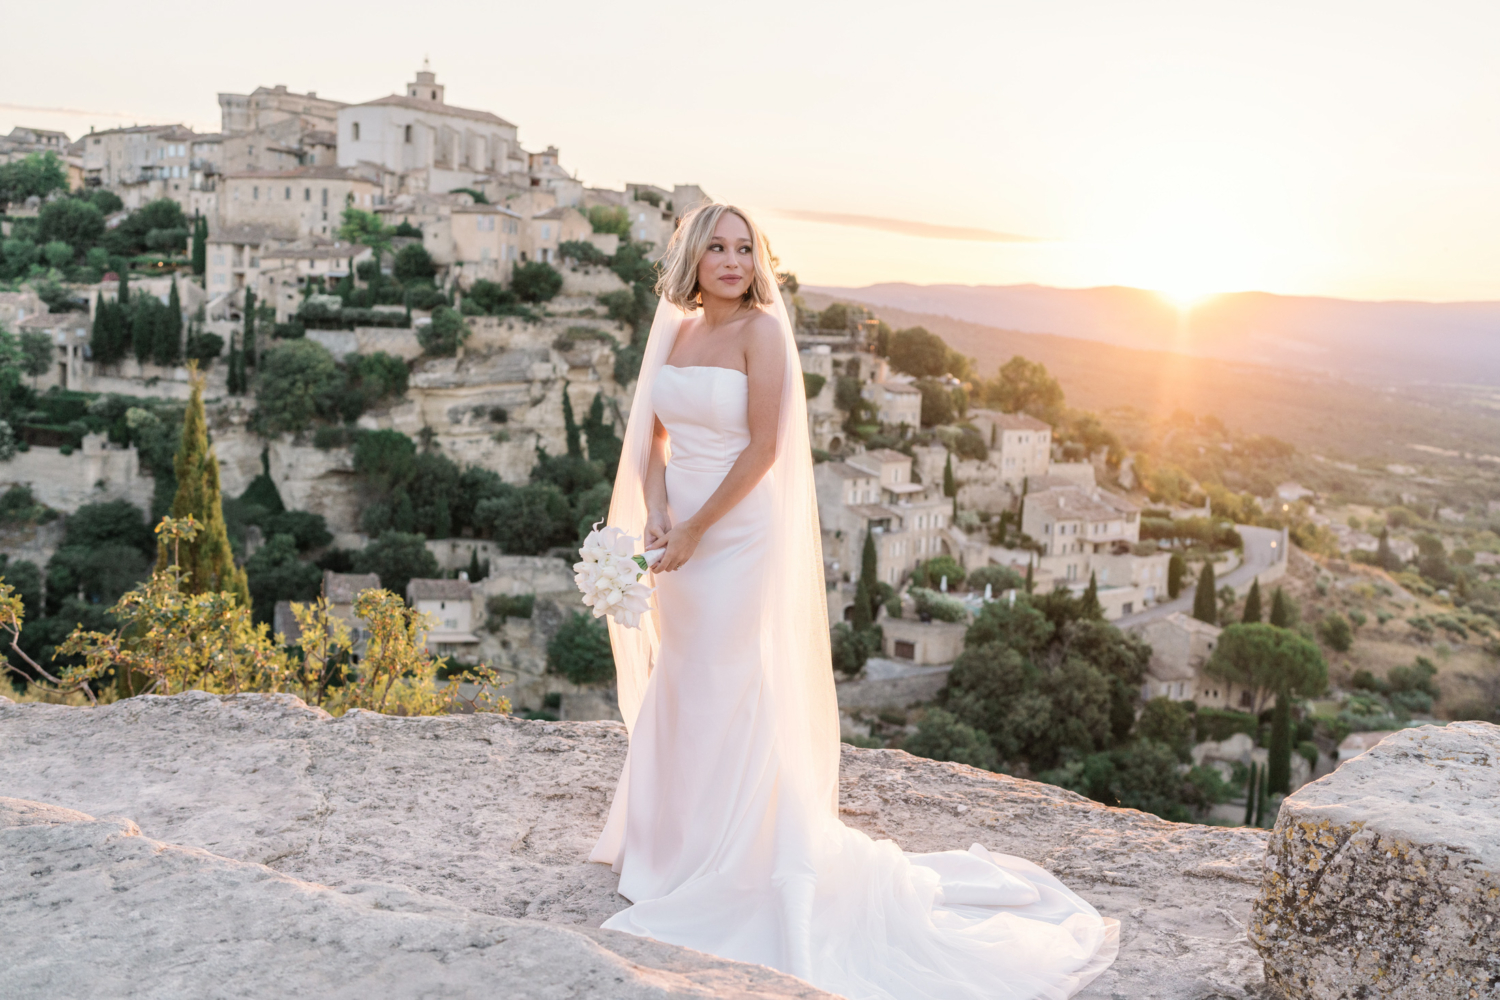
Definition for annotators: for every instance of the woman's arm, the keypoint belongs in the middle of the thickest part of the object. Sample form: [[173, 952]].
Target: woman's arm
[[765, 364], [655, 488]]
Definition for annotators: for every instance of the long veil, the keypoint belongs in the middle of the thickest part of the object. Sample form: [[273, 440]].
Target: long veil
[[793, 611]]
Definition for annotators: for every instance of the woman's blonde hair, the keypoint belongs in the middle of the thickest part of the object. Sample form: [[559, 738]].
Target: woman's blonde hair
[[679, 265]]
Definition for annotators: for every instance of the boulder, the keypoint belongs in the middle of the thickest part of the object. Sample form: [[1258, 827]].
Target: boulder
[[272, 845], [1383, 878]]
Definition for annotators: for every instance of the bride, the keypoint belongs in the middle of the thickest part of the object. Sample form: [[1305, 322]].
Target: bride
[[724, 828]]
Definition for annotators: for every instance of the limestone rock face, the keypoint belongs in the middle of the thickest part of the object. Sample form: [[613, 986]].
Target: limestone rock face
[[320, 856], [93, 908], [1383, 878]]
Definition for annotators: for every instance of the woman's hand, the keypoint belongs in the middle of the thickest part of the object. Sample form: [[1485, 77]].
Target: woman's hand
[[657, 526], [681, 542]]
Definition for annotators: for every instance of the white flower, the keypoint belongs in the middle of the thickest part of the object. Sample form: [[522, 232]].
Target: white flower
[[609, 576]]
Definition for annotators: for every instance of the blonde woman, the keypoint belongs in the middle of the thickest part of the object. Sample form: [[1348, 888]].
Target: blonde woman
[[724, 827]]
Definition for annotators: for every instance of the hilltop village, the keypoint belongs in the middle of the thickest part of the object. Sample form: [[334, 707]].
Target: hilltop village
[[417, 342]]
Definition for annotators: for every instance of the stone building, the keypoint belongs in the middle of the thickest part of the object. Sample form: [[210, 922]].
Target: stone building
[[144, 163], [307, 201], [873, 493], [449, 605], [1021, 445], [434, 146], [1180, 647], [267, 106], [477, 241]]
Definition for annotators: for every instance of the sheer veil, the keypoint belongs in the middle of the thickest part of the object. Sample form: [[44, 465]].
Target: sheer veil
[[793, 611]]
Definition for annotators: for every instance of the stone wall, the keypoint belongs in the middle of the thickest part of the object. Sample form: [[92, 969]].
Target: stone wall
[[95, 473]]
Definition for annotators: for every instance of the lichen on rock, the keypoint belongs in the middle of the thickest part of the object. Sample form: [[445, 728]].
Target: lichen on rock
[[1383, 878]]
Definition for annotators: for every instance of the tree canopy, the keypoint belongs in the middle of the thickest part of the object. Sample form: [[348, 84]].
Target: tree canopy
[[1269, 661]]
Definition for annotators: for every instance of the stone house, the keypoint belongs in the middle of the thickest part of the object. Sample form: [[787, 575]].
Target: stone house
[[307, 201], [449, 605], [896, 402], [546, 231], [234, 254], [873, 493], [69, 333], [340, 589], [477, 241], [924, 644], [1180, 647], [284, 271], [1020, 445]]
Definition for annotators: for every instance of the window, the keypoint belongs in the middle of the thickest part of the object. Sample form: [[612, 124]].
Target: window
[[356, 135], [546, 232], [325, 197], [288, 195], [307, 194], [255, 193], [408, 133], [905, 650]]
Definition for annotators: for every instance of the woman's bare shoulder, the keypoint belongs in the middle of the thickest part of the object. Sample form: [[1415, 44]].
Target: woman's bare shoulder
[[762, 330]]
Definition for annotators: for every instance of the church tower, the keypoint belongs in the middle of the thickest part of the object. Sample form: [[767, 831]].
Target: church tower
[[426, 87]]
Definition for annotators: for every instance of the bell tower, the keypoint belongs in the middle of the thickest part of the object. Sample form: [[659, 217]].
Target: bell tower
[[425, 87]]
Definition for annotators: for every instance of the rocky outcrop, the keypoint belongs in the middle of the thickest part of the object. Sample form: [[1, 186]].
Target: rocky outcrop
[[1383, 878], [93, 908], [405, 848]]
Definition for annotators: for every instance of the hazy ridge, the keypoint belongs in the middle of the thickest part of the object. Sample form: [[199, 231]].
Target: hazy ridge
[[1374, 342]]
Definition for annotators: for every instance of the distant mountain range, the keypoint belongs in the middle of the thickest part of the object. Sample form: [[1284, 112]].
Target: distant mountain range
[[1384, 343]]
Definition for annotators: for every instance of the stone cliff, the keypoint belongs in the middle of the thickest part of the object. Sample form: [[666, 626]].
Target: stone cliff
[[254, 846]]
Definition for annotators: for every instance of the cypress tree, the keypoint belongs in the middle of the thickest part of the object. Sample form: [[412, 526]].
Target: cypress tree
[[200, 245], [236, 374], [950, 488], [1250, 790], [1384, 557], [575, 440], [1091, 606], [169, 330], [124, 294], [1028, 577], [1252, 604], [143, 328], [1176, 570], [476, 571], [1205, 600], [207, 561], [1279, 762], [1281, 611], [868, 577], [248, 346]]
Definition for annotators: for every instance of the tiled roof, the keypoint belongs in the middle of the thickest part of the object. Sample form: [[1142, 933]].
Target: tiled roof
[[1019, 422], [1070, 505], [439, 590], [846, 471], [417, 104], [342, 588], [328, 173], [250, 233], [888, 455], [555, 213]]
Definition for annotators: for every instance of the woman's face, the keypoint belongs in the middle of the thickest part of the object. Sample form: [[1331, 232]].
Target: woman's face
[[728, 265]]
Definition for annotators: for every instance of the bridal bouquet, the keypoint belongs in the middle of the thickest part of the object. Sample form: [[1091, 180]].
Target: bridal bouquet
[[609, 575]]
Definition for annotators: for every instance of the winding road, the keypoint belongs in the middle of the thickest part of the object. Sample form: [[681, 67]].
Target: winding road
[[1264, 548]]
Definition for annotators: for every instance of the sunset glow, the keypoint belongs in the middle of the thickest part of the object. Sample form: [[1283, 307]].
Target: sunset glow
[[1182, 147]]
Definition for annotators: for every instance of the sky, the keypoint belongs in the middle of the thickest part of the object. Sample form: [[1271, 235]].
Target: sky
[[1327, 148]]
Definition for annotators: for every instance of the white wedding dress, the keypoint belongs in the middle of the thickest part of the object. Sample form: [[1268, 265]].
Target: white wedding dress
[[717, 843]]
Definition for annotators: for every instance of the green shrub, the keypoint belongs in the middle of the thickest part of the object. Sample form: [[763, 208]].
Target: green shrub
[[1219, 724], [941, 736], [1335, 632], [852, 647], [445, 334], [503, 606], [535, 281], [581, 251], [937, 606], [580, 650]]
